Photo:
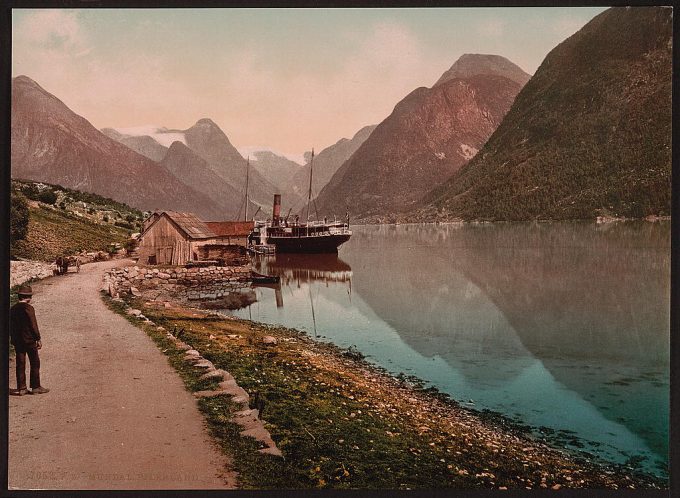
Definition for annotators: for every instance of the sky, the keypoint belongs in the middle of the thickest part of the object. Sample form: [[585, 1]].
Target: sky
[[281, 79]]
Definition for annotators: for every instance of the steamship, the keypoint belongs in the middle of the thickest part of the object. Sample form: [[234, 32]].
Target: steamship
[[296, 237]]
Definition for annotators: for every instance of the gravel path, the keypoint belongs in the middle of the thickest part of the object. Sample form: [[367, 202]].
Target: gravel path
[[117, 416]]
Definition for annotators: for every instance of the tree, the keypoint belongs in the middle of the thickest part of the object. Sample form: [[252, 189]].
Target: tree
[[18, 218]]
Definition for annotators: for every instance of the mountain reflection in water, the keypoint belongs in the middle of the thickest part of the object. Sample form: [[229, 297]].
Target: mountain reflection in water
[[564, 325]]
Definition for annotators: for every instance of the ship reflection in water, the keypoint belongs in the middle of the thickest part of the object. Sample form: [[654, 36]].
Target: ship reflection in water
[[294, 270], [561, 325]]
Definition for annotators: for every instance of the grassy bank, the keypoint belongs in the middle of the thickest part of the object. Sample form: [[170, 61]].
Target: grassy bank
[[53, 232], [342, 423]]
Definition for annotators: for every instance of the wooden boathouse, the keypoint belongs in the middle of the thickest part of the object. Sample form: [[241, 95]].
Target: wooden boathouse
[[173, 238]]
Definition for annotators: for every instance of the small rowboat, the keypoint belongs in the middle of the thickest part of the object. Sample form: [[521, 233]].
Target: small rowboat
[[258, 278]]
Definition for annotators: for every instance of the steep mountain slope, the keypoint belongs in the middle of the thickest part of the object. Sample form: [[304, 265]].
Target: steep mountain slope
[[430, 134], [192, 170], [327, 163], [589, 135], [53, 144], [207, 140], [144, 144]]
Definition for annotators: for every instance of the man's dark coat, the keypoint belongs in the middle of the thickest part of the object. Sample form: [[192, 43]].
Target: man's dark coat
[[23, 326]]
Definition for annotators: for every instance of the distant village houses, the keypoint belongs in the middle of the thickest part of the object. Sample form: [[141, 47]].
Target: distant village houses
[[173, 238]]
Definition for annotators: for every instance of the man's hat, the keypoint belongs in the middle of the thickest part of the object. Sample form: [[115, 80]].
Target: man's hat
[[25, 290]]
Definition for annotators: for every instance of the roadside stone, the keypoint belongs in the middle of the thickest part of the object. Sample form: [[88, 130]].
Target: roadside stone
[[211, 374], [268, 339], [271, 450], [209, 394], [241, 400], [248, 422], [259, 433], [247, 413], [134, 312], [135, 291]]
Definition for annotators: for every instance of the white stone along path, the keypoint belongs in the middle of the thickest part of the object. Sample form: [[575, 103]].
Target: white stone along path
[[117, 416]]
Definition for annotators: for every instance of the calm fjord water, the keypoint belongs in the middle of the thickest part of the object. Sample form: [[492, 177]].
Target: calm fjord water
[[563, 326]]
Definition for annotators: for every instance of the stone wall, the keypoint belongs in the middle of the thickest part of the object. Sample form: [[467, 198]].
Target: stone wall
[[177, 282], [23, 271]]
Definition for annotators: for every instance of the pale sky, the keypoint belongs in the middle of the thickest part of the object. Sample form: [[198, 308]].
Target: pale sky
[[284, 79]]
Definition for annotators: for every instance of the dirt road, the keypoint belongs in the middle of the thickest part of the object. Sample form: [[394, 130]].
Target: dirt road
[[117, 415]]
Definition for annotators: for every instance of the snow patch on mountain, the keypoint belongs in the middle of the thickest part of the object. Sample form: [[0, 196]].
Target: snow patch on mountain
[[250, 150], [160, 134]]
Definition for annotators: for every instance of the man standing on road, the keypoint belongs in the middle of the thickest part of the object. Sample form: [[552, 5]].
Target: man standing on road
[[25, 337]]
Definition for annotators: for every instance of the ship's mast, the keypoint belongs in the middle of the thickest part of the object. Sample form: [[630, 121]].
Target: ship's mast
[[245, 218], [309, 197]]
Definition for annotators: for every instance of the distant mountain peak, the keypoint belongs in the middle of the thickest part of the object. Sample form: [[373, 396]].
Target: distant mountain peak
[[205, 122], [469, 65], [178, 146], [22, 78]]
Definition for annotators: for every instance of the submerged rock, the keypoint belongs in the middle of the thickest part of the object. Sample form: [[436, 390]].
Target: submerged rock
[[230, 301]]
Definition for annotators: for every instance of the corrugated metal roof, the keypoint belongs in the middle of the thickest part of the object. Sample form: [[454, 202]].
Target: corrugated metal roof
[[191, 225], [231, 228]]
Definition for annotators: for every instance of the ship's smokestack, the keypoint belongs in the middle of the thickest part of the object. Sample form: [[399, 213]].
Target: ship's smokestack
[[277, 209]]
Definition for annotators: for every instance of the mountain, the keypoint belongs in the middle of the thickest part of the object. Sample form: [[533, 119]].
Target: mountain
[[327, 163], [430, 134], [51, 143], [473, 64], [143, 144], [195, 172], [277, 169], [209, 142], [589, 135]]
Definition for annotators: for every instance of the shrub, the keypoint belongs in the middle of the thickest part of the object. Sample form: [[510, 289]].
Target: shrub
[[18, 218], [47, 196], [123, 224], [30, 191], [106, 218]]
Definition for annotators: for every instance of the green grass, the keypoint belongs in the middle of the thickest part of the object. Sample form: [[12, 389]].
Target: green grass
[[53, 232], [317, 428]]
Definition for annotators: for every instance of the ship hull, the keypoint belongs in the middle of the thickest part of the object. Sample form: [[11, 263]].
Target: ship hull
[[311, 244]]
